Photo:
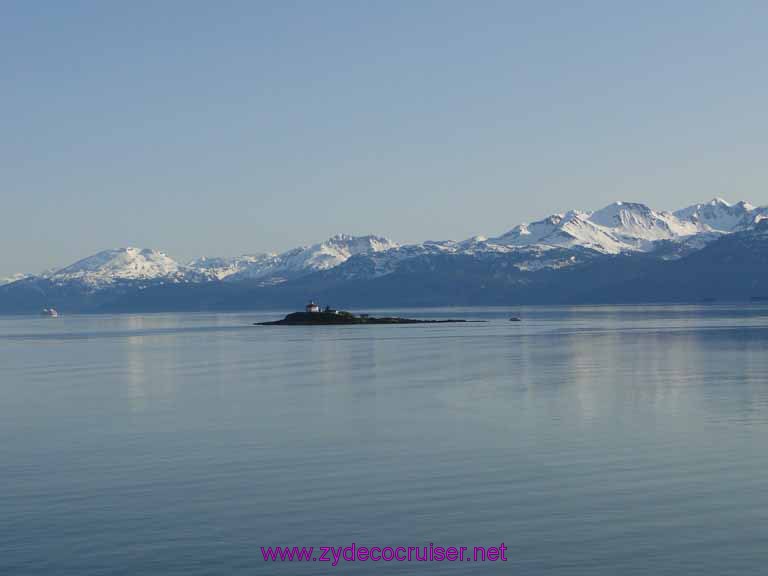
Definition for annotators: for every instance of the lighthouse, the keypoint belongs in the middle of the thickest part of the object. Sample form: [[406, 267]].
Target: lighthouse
[[312, 307]]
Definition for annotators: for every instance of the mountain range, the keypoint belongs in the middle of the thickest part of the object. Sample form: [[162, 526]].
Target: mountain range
[[624, 252]]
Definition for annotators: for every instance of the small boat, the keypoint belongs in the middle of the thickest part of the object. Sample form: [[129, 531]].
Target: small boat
[[515, 319], [49, 312]]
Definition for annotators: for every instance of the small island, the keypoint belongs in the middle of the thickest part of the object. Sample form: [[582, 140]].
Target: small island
[[313, 316]]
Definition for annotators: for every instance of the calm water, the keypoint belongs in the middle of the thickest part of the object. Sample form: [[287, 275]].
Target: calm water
[[609, 440]]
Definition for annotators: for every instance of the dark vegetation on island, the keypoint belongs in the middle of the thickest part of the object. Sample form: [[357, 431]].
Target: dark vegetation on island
[[341, 317]]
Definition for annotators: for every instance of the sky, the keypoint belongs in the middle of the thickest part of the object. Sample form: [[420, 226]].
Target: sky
[[227, 127]]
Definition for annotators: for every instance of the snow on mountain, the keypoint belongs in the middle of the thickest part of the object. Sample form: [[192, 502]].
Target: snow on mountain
[[619, 227], [334, 251], [223, 268], [556, 241], [579, 230], [12, 279], [753, 218], [718, 215], [382, 262], [573, 228], [321, 256], [638, 226], [533, 233], [109, 266], [276, 268]]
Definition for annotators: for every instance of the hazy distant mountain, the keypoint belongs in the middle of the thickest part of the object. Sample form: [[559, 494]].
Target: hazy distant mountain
[[13, 278], [623, 252]]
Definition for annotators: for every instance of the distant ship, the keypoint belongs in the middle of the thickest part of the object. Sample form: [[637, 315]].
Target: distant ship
[[49, 312]]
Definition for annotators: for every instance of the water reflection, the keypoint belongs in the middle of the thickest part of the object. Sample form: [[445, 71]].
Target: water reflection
[[592, 440]]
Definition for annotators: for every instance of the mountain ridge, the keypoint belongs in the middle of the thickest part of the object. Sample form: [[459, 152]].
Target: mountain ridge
[[621, 238], [615, 228]]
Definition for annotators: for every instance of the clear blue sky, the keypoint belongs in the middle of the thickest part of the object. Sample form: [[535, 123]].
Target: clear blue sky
[[225, 127]]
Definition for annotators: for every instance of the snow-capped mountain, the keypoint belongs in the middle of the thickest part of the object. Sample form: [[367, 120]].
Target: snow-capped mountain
[[626, 226], [121, 264], [718, 215], [638, 225], [278, 267], [130, 264], [558, 241], [563, 230], [333, 252], [223, 268]]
